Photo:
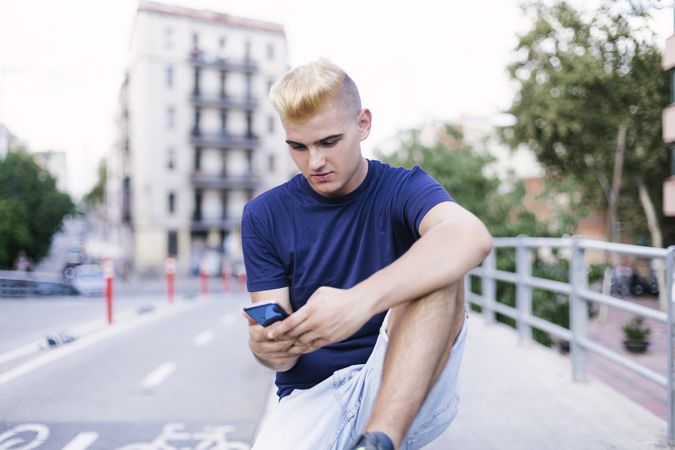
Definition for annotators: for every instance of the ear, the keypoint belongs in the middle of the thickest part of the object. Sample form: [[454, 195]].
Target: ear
[[364, 120]]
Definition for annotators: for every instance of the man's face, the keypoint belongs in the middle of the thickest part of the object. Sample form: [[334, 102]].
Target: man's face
[[326, 148]]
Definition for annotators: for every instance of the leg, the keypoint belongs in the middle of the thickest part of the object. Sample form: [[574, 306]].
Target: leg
[[421, 335]]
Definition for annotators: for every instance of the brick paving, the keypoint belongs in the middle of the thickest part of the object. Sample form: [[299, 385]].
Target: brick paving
[[606, 329]]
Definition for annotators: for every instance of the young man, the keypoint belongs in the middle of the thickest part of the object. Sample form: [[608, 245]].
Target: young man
[[340, 246]]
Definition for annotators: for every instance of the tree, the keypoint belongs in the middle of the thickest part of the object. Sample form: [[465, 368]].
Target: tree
[[96, 195], [590, 94], [31, 208], [462, 171]]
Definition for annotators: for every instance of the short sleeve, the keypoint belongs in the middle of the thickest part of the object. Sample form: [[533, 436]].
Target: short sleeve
[[264, 269], [419, 193]]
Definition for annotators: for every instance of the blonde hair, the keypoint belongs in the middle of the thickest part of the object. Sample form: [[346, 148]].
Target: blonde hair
[[307, 90]]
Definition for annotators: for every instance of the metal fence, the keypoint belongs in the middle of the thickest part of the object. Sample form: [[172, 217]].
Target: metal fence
[[576, 250]]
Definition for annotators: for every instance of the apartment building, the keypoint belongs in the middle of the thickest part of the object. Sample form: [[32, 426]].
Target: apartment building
[[197, 135]]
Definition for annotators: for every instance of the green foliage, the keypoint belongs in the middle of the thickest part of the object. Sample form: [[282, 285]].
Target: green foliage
[[97, 193], [579, 78], [461, 170], [636, 329], [31, 208]]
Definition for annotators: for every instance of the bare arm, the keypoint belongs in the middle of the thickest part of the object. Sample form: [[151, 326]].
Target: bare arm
[[453, 241], [271, 353]]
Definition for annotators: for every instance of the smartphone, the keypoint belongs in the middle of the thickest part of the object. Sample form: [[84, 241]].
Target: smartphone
[[266, 313]]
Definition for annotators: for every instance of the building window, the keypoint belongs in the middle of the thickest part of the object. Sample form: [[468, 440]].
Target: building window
[[171, 156], [169, 77], [249, 125], [247, 50], [168, 38], [172, 203], [221, 42], [270, 52], [172, 243], [271, 163], [223, 121], [270, 124], [195, 41], [223, 82], [170, 117]]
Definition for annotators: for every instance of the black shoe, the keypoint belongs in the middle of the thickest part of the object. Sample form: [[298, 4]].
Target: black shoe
[[373, 440]]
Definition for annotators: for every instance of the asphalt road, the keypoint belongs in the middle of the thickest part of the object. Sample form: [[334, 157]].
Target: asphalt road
[[182, 371]]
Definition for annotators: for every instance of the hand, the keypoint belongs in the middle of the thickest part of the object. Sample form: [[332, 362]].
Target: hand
[[274, 353], [330, 315]]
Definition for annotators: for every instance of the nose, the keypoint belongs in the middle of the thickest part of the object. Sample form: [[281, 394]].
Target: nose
[[316, 159]]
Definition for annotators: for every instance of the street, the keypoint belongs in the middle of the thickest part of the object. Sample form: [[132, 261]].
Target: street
[[179, 373]]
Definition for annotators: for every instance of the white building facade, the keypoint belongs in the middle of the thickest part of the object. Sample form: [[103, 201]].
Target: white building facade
[[197, 135]]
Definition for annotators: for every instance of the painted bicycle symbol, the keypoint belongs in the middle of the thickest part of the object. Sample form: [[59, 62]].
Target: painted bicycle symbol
[[24, 437], [174, 437]]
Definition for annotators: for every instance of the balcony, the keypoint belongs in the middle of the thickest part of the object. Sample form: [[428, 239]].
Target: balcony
[[214, 101], [223, 140], [199, 59], [207, 224], [202, 180]]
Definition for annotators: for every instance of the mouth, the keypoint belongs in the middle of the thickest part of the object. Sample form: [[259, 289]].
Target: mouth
[[322, 177]]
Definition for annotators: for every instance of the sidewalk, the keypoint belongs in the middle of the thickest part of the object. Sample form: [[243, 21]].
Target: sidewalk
[[522, 397], [606, 329]]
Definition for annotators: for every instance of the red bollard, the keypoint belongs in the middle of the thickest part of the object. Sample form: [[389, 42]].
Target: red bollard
[[226, 280], [170, 276], [204, 278], [108, 274]]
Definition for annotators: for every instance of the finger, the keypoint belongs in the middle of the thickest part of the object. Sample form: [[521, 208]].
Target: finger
[[308, 338], [284, 327], [250, 319]]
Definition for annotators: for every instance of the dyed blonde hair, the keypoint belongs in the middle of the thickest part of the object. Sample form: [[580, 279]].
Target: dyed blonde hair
[[309, 89]]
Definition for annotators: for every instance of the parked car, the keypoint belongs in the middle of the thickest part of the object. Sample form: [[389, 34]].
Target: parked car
[[88, 279]]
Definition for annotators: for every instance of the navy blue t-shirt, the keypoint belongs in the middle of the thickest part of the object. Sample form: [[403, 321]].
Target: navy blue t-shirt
[[294, 237]]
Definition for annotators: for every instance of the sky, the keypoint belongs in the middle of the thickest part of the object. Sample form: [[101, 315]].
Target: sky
[[62, 62]]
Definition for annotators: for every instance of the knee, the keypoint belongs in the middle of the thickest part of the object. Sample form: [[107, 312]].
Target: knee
[[445, 304]]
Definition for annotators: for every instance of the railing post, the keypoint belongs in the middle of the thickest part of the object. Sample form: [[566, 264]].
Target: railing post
[[670, 266], [578, 310], [489, 286], [523, 291]]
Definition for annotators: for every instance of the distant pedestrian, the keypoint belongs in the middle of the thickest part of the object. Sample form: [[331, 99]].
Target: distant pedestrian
[[368, 260], [22, 262]]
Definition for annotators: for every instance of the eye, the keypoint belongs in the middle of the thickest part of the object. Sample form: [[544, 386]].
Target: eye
[[297, 146], [330, 143]]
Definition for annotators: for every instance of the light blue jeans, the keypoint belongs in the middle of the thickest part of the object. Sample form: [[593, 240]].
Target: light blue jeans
[[330, 415]]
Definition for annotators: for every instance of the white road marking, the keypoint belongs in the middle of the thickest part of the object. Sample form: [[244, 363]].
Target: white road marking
[[229, 319], [157, 376], [82, 441], [86, 341], [203, 338], [19, 352]]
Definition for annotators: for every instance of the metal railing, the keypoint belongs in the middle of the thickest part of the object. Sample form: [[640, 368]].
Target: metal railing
[[576, 250]]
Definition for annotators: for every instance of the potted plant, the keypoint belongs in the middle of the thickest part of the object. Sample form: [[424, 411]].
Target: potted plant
[[637, 335]]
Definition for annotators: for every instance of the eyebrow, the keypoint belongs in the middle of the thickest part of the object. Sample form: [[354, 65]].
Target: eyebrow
[[327, 138]]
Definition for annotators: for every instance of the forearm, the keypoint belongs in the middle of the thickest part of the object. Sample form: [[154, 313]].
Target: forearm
[[441, 257]]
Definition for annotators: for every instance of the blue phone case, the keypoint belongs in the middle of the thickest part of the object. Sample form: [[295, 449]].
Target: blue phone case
[[266, 314]]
